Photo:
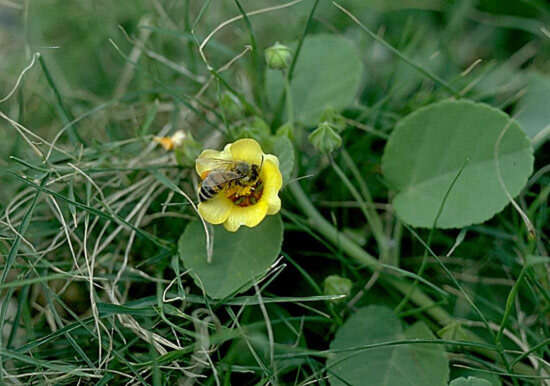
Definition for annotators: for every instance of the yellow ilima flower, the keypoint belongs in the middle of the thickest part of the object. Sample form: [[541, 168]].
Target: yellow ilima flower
[[237, 200]]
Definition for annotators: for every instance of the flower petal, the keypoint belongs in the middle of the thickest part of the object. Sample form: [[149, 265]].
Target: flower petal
[[273, 181], [273, 204], [216, 210], [272, 158], [272, 178], [250, 216], [248, 150]]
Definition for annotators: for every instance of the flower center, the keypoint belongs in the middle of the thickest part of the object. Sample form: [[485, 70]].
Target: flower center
[[247, 195]]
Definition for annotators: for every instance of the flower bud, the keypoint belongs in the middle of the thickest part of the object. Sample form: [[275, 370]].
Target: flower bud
[[255, 128], [337, 121], [453, 331], [286, 130], [278, 56], [337, 285], [231, 106], [325, 139]]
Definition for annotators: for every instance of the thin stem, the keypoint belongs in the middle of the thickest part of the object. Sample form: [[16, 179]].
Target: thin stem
[[256, 62], [438, 214], [373, 221], [65, 114], [330, 232], [253, 109], [410, 62], [289, 101], [417, 296], [509, 304], [290, 71]]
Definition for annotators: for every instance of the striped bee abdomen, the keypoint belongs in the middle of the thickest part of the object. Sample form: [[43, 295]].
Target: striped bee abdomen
[[207, 192], [214, 182]]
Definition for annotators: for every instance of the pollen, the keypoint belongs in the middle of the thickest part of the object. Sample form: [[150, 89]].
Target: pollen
[[244, 196]]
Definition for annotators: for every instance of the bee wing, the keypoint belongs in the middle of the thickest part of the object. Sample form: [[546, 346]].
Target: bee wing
[[215, 163], [218, 177]]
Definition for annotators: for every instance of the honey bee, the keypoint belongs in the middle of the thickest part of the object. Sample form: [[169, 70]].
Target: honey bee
[[225, 174]]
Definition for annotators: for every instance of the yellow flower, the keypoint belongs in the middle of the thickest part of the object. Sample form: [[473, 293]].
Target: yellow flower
[[169, 143], [235, 205]]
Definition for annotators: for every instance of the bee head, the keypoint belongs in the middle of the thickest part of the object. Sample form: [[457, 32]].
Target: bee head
[[249, 172], [243, 168], [255, 171]]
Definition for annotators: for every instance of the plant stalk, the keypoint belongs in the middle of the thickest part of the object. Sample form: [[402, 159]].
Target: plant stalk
[[416, 295]]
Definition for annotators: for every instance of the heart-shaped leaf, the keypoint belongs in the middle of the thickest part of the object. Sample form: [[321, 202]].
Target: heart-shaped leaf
[[467, 374], [470, 381], [433, 146], [327, 74], [532, 110], [412, 364], [238, 257]]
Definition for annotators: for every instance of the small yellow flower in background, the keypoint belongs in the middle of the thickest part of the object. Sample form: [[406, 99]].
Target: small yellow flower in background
[[169, 143], [184, 146], [238, 203]]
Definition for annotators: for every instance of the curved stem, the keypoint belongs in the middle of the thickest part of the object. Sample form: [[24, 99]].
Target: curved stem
[[353, 250], [289, 101], [370, 215], [416, 294]]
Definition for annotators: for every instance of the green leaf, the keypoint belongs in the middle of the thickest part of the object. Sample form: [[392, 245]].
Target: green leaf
[[327, 74], [470, 381], [337, 285], [532, 110], [106, 309], [238, 257], [407, 364], [453, 331], [429, 148], [458, 372], [286, 336]]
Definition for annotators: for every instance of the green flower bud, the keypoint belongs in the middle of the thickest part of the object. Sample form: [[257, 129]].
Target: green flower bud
[[186, 149], [325, 139], [337, 121], [255, 128], [286, 130], [337, 285], [231, 106], [453, 331], [278, 56]]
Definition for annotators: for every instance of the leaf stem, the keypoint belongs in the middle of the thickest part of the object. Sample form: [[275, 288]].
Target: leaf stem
[[371, 215], [290, 72], [438, 214], [395, 51], [289, 101], [65, 114], [257, 72], [317, 222]]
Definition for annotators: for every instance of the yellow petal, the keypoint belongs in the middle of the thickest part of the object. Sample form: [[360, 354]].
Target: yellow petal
[[248, 150], [272, 158], [273, 204], [250, 216], [273, 181], [216, 210], [202, 163], [272, 178]]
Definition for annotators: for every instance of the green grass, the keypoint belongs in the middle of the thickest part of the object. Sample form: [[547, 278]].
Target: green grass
[[93, 290]]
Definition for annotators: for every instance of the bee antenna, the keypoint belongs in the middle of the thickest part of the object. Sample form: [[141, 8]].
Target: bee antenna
[[261, 163]]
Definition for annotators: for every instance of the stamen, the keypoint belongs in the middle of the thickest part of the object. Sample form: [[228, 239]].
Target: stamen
[[244, 196]]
